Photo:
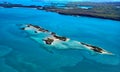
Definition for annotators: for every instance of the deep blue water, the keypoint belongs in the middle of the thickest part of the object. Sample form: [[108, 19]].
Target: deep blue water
[[20, 54]]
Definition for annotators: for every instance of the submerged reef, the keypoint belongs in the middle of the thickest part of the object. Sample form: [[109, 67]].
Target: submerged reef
[[4, 50]]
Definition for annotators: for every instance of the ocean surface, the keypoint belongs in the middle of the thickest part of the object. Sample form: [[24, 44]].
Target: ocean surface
[[18, 53]]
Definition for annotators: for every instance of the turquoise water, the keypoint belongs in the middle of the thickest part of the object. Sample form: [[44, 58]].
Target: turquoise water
[[18, 53]]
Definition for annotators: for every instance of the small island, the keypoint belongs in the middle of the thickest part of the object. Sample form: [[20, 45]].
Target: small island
[[59, 42], [105, 10]]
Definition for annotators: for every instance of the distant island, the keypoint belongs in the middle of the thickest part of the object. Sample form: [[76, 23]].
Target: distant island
[[10, 5], [106, 10]]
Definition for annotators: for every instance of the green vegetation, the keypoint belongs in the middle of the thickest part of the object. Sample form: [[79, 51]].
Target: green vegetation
[[100, 10]]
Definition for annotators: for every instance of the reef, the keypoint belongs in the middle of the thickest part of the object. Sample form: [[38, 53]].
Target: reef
[[51, 39], [4, 50]]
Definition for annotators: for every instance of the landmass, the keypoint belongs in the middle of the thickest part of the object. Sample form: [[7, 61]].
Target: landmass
[[10, 5], [109, 10], [106, 10]]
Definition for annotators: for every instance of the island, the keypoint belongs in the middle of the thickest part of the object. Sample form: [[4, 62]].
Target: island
[[51, 40], [10, 5]]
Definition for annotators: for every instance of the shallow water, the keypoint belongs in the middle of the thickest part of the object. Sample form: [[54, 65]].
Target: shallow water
[[28, 56]]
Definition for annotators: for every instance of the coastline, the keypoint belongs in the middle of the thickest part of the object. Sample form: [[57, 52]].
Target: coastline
[[72, 12], [87, 15]]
